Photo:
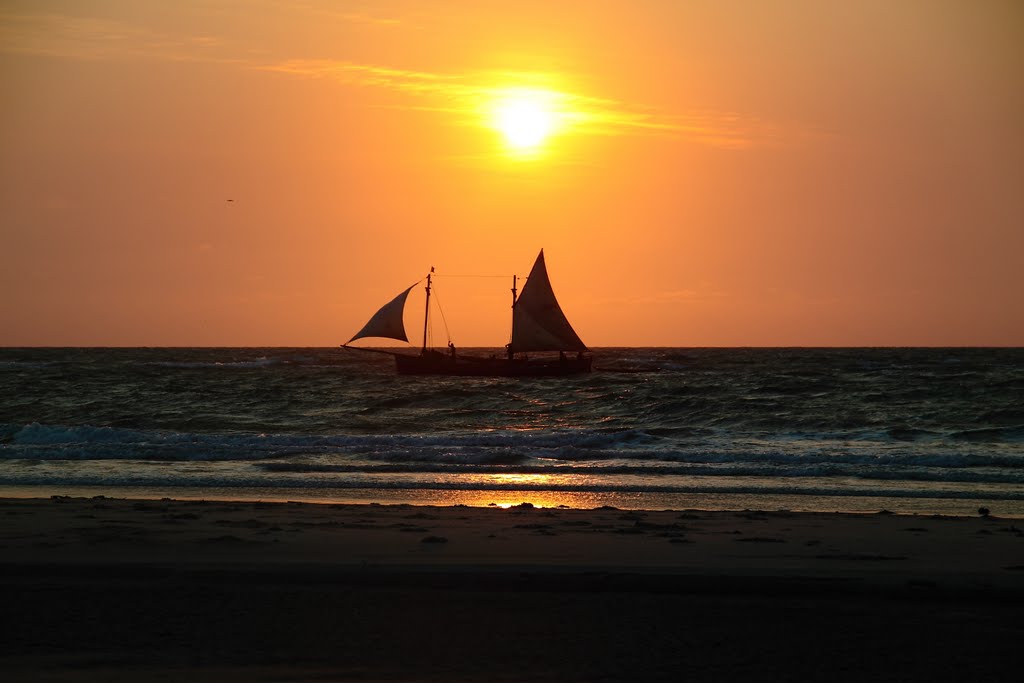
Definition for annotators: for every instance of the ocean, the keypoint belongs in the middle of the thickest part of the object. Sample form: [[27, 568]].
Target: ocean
[[922, 430]]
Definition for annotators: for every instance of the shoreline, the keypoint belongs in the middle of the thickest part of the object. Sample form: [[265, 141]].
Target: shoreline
[[637, 501], [127, 589]]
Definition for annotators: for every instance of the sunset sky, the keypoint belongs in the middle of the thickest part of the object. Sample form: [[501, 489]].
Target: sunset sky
[[719, 173]]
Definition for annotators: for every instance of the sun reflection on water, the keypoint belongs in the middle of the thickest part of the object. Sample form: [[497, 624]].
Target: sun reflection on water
[[521, 479], [509, 499]]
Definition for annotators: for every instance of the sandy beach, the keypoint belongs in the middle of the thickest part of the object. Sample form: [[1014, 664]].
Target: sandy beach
[[114, 589]]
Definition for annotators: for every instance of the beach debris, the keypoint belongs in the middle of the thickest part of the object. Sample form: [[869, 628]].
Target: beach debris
[[861, 557], [222, 539], [984, 512], [434, 539], [654, 526]]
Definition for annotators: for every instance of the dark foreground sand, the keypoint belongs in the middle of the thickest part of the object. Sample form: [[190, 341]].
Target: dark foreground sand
[[122, 590]]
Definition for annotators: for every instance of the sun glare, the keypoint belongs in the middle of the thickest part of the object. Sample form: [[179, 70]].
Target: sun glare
[[526, 118]]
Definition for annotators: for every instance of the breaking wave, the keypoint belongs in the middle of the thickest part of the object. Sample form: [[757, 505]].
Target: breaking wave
[[577, 452], [893, 420]]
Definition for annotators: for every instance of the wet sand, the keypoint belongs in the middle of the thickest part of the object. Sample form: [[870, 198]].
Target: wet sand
[[119, 590]]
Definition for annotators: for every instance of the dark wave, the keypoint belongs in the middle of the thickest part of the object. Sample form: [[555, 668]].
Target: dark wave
[[862, 415], [467, 449]]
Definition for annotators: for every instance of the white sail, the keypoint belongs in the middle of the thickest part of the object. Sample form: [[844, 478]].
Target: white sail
[[538, 323], [388, 321]]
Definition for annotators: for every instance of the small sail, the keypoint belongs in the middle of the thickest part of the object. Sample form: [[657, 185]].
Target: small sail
[[387, 322], [538, 323]]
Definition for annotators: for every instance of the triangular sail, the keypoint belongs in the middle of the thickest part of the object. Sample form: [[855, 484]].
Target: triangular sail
[[538, 323], [388, 321]]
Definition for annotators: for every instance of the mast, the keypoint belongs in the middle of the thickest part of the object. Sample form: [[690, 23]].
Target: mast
[[426, 311], [509, 345]]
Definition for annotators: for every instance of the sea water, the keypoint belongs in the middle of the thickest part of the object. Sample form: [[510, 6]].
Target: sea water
[[912, 430]]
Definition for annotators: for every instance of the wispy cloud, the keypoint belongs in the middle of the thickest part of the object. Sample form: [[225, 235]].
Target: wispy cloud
[[470, 92], [61, 35], [330, 13], [89, 38], [465, 95], [702, 292]]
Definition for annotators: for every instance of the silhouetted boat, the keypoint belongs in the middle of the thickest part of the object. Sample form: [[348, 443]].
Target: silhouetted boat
[[538, 325]]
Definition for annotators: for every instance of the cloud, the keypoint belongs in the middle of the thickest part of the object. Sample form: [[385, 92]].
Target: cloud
[[329, 13], [61, 35], [465, 95], [75, 36], [703, 292], [89, 38], [471, 92]]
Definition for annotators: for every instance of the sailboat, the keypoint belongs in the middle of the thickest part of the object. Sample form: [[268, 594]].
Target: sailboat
[[538, 326]]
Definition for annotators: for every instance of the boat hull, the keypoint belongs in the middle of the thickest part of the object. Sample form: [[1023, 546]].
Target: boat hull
[[432, 363]]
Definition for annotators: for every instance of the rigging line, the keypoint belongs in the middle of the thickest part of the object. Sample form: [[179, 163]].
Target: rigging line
[[440, 310], [522, 278]]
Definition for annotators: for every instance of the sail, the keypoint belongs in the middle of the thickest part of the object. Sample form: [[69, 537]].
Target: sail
[[387, 322], [538, 323]]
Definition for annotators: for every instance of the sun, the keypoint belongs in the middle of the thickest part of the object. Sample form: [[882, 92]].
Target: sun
[[524, 123], [526, 118]]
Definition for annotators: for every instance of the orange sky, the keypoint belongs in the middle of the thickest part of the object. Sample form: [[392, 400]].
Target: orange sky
[[722, 173]]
